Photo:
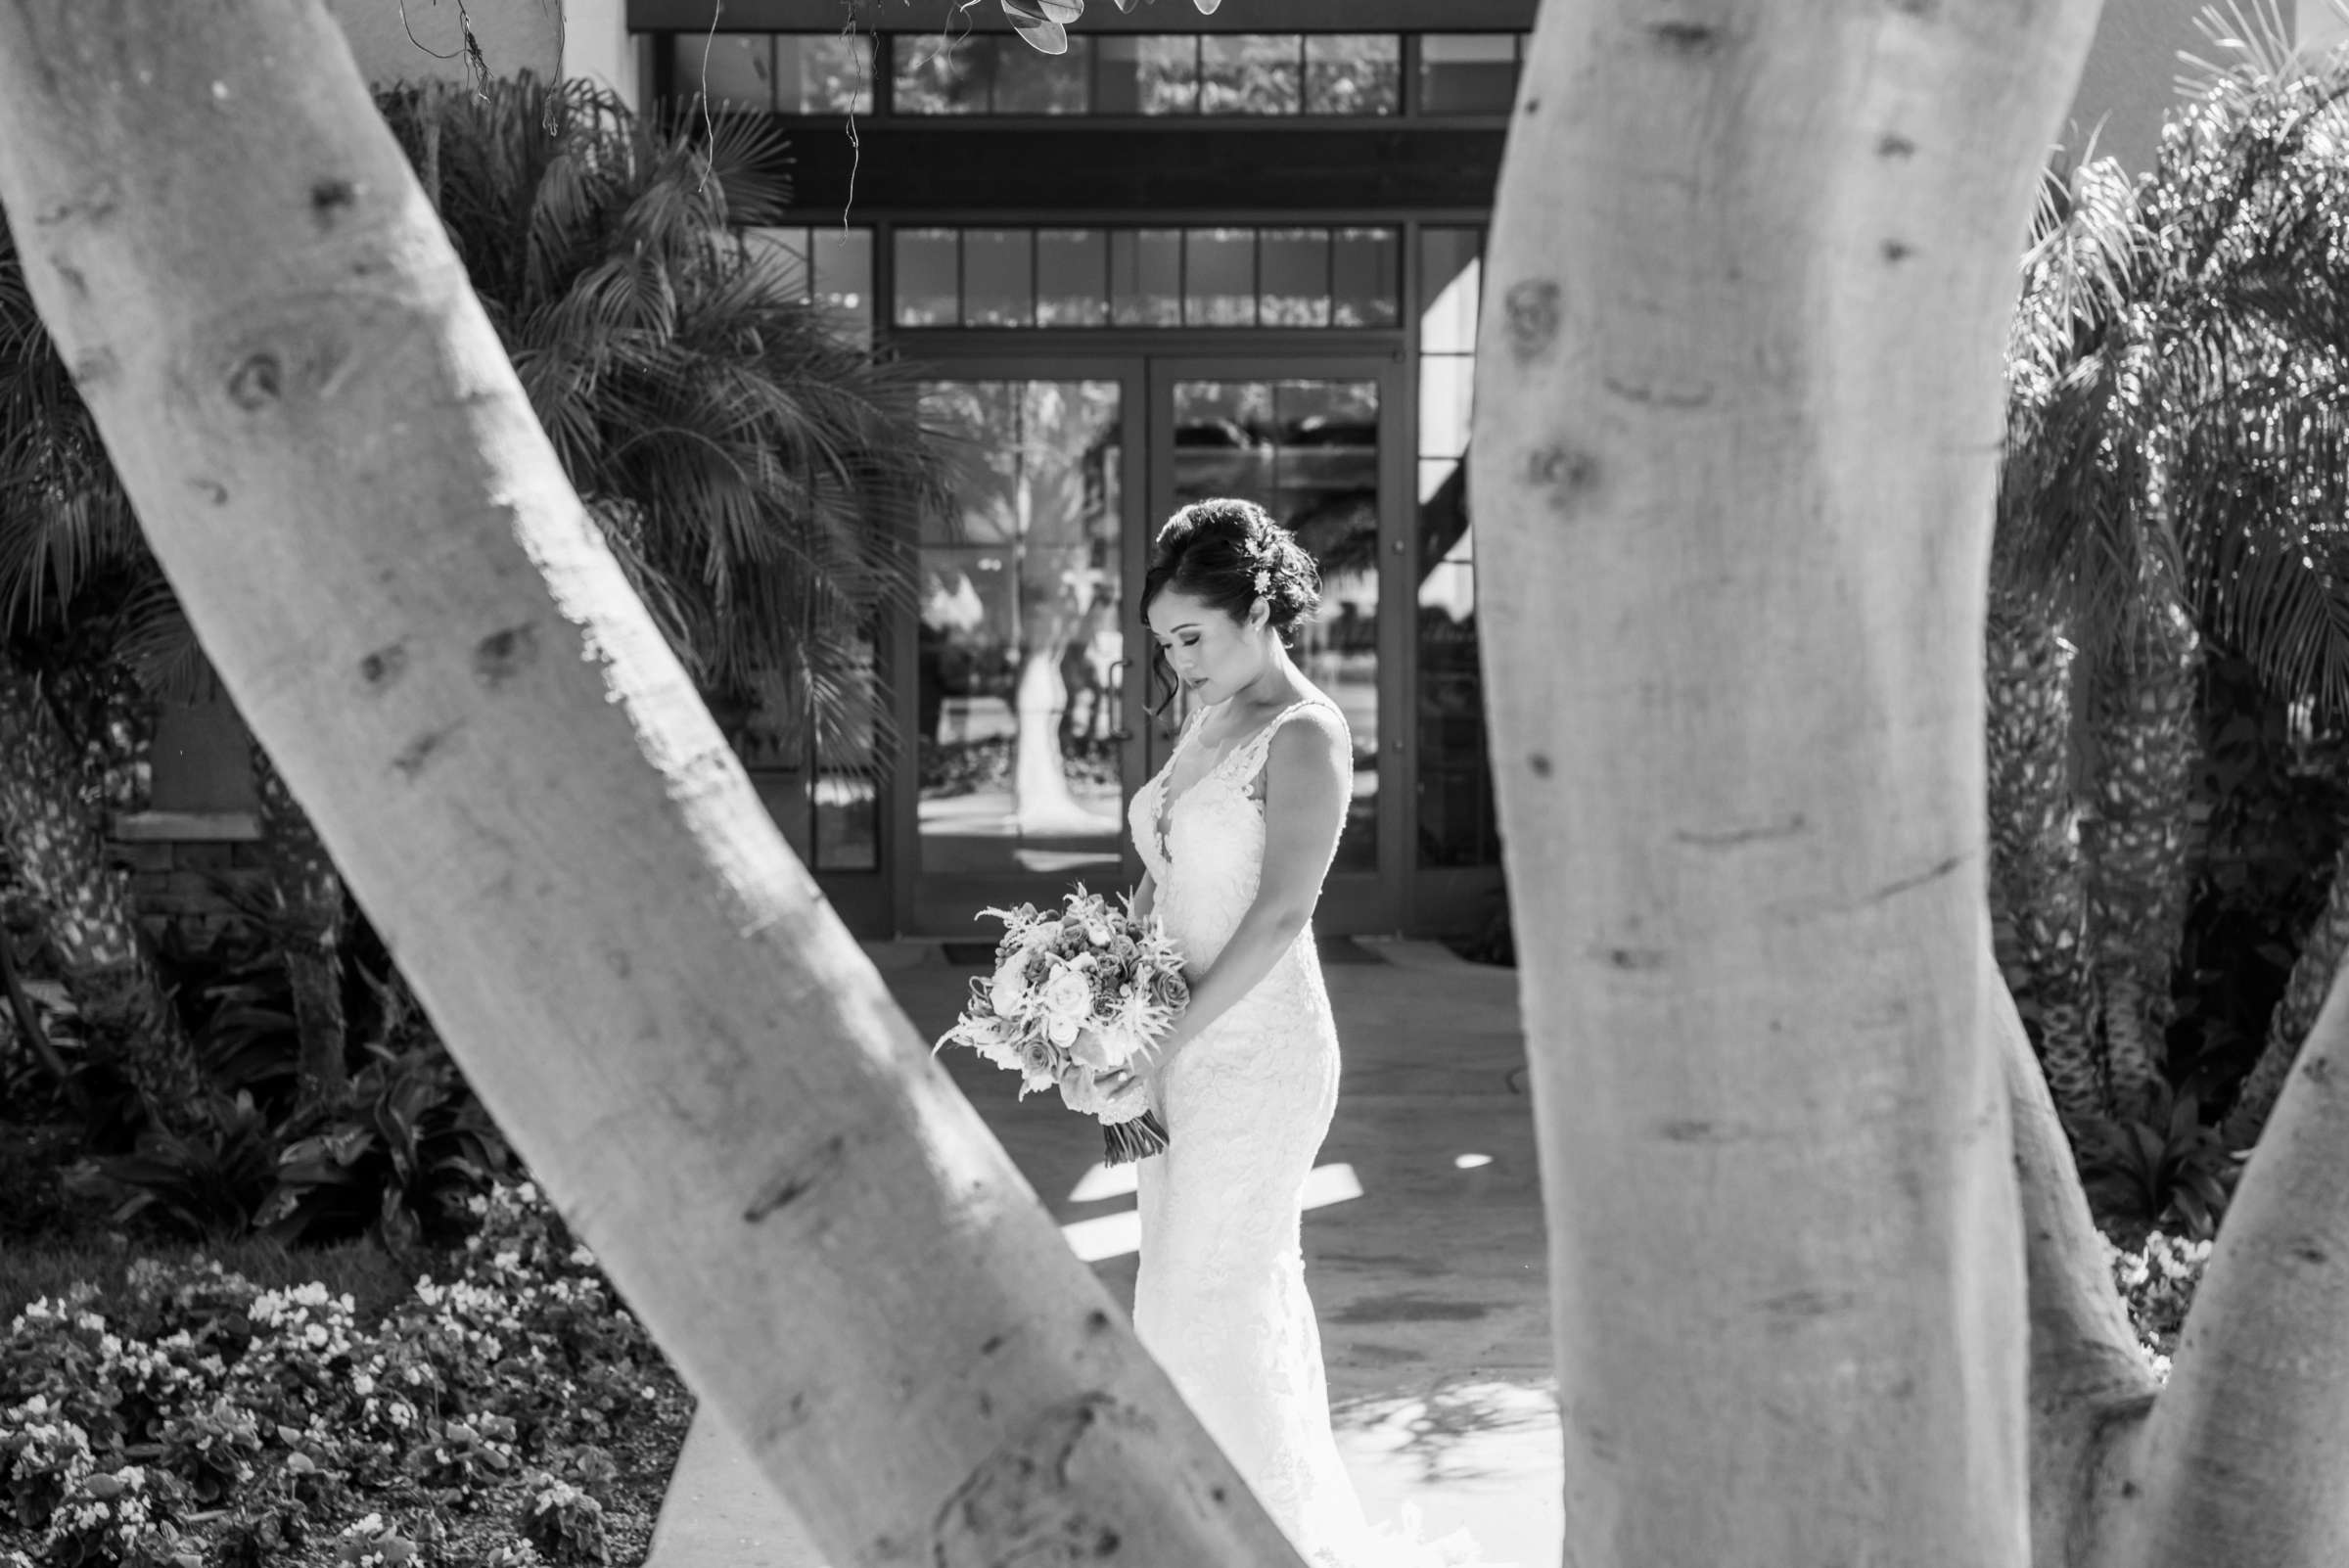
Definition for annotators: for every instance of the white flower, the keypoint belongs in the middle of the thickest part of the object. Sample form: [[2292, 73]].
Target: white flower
[[1068, 997], [1063, 1032], [1263, 583], [1009, 992]]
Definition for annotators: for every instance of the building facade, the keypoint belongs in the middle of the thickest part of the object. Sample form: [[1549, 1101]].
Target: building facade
[[1234, 255], [1188, 256]]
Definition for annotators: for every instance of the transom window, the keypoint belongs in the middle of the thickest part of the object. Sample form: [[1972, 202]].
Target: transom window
[[986, 73], [1146, 277]]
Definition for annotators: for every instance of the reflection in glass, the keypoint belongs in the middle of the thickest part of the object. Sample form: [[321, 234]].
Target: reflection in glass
[[1145, 277], [1468, 73], [998, 278], [823, 74], [1458, 826], [929, 280], [1071, 267], [1353, 73], [1446, 382], [1030, 83], [843, 278], [1218, 273], [936, 76], [1019, 637], [736, 69], [1307, 451], [1363, 278], [1143, 74], [1293, 266], [1251, 73], [1448, 279]]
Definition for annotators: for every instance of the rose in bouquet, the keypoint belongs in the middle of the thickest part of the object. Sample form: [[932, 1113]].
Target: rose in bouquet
[[1076, 994]]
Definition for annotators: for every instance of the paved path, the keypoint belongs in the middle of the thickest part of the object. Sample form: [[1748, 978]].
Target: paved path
[[1423, 1252]]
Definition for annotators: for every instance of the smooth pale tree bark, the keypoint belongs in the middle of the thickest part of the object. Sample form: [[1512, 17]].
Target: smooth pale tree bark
[[541, 818], [1738, 397], [2247, 1455]]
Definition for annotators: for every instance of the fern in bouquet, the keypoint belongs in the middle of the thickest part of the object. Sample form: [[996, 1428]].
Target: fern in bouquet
[[1076, 994]]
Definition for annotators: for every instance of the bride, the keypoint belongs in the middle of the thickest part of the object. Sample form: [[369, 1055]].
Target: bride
[[1236, 833]]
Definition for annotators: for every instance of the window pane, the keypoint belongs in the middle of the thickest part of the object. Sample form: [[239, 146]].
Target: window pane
[[1444, 384], [998, 277], [737, 69], [1449, 280], [1145, 277], [1353, 73], [843, 278], [848, 822], [1250, 73], [1468, 73], [1071, 277], [1362, 285], [785, 250], [1030, 83], [927, 282], [1458, 822], [1295, 272], [1020, 639], [1218, 272], [823, 74], [1147, 76], [937, 79]]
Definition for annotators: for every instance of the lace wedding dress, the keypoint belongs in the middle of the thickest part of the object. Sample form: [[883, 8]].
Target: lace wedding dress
[[1220, 1299]]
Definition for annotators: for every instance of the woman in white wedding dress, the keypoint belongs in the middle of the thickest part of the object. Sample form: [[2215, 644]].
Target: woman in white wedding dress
[[1236, 833]]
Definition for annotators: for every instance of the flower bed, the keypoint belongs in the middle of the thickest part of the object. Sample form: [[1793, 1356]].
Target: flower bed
[[512, 1415]]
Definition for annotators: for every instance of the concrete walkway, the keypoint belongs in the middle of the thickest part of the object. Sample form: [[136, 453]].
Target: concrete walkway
[[1423, 1251]]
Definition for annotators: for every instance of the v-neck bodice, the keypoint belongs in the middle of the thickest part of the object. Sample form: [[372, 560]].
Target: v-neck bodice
[[1204, 844]]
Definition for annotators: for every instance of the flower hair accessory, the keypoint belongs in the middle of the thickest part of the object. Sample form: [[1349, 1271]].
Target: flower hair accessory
[[1261, 554]]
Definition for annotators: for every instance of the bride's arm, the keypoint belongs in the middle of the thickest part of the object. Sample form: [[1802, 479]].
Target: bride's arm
[[1146, 897], [1305, 776]]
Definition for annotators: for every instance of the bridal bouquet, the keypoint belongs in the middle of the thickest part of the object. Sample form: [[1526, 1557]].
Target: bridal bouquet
[[1088, 989]]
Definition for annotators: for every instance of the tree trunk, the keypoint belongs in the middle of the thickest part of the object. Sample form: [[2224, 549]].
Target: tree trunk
[[308, 895], [536, 813], [2243, 1459], [93, 928], [2136, 844], [2035, 871], [2312, 978], [1739, 392]]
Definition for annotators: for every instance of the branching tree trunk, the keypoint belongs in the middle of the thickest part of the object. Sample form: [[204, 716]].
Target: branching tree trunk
[[1738, 394], [93, 927], [541, 819]]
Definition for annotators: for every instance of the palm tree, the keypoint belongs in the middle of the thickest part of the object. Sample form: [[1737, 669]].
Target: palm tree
[[61, 515], [757, 471], [751, 471], [2178, 428]]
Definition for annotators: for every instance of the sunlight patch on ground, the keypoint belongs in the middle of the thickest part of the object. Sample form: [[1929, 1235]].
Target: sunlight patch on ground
[[1107, 1182]]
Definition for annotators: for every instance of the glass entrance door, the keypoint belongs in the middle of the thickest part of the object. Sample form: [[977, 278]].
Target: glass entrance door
[[1313, 443], [1022, 755], [1028, 716]]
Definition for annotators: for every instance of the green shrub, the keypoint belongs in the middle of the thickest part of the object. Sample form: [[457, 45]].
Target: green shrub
[[204, 1414]]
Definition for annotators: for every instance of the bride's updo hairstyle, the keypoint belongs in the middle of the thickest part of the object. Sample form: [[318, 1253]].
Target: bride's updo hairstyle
[[1227, 554]]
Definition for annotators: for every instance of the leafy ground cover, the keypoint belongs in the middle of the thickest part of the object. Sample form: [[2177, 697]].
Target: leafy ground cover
[[253, 1405]]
